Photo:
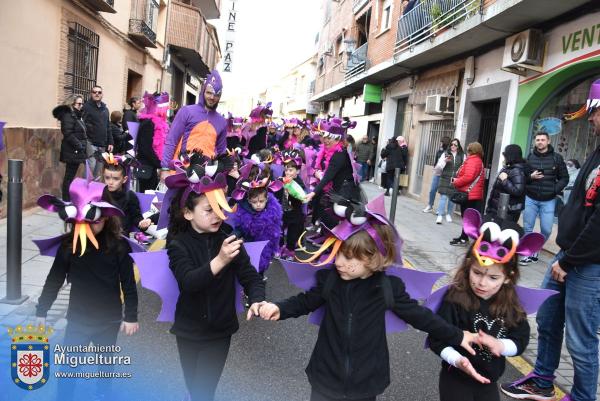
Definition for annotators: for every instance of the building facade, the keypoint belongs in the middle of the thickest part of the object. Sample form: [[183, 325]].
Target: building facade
[[54, 49]]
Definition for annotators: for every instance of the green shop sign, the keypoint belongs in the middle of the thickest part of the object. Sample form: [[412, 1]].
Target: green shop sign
[[579, 40]]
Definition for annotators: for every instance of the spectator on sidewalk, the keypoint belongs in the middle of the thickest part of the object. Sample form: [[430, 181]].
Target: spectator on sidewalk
[[73, 147], [437, 173], [135, 104], [449, 163], [96, 117], [511, 180], [373, 142], [119, 136], [470, 179], [575, 274], [396, 156], [364, 154], [547, 177]]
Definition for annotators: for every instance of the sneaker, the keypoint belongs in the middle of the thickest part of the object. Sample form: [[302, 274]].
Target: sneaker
[[534, 258], [438, 220], [525, 261], [448, 218], [527, 390], [458, 242], [427, 209]]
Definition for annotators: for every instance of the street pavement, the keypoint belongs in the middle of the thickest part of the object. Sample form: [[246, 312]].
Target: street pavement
[[267, 359]]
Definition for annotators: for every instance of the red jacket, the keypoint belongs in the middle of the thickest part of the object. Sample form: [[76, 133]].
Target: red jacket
[[471, 168]]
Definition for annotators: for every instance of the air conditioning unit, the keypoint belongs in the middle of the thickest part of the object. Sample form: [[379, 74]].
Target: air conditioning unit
[[524, 51], [439, 105]]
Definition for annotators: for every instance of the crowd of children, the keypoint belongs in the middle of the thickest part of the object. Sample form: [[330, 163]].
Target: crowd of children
[[266, 187]]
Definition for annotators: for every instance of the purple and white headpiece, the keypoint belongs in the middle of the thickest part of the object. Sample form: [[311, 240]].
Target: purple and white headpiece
[[333, 127], [86, 206], [355, 216], [496, 242], [262, 180], [261, 113]]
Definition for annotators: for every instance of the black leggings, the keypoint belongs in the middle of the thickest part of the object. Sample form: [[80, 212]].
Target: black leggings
[[294, 221], [150, 184], [316, 396], [471, 204], [455, 386], [70, 173], [202, 363]]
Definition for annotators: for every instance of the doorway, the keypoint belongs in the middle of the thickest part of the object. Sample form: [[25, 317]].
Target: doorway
[[487, 134], [134, 85]]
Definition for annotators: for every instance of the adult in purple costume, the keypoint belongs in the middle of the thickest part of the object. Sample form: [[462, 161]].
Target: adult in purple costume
[[198, 127]]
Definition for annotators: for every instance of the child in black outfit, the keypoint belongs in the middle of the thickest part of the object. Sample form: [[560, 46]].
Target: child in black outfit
[[97, 274], [350, 360], [482, 298], [206, 259], [293, 213], [114, 175]]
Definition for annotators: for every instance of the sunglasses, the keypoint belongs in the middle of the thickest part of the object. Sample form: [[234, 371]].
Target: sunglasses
[[78, 104], [97, 92]]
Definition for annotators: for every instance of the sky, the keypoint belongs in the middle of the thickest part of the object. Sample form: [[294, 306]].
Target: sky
[[271, 37]]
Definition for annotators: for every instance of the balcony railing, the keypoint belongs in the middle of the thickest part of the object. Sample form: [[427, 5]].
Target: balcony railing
[[429, 18], [357, 62], [143, 21], [106, 6], [186, 27], [358, 5]]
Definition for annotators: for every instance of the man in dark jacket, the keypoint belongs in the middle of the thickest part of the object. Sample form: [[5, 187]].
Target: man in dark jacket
[[97, 121], [548, 176], [396, 155], [575, 274], [364, 154]]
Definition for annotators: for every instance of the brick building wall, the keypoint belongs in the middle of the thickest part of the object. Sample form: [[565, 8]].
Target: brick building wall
[[382, 42]]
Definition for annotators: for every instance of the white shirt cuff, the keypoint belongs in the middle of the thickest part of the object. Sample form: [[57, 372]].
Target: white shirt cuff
[[510, 348], [450, 355]]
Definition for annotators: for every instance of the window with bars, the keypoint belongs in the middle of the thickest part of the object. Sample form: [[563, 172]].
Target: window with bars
[[82, 59], [432, 133]]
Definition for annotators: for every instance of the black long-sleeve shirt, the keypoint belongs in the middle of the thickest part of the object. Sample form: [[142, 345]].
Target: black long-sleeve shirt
[[145, 152], [96, 281], [338, 171], [128, 202], [351, 357], [484, 362], [206, 305]]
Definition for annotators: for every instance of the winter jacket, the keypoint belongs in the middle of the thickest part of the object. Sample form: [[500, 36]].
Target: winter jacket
[[97, 122], [485, 363], [514, 185], [339, 172], [364, 152], [351, 358], [72, 126], [579, 225], [396, 156], [258, 141], [556, 176], [97, 278], [468, 172], [449, 171], [119, 138], [206, 305], [145, 152], [128, 115]]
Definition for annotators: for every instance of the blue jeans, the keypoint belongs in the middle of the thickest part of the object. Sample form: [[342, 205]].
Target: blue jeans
[[364, 171], [577, 307], [545, 209], [435, 183], [442, 205]]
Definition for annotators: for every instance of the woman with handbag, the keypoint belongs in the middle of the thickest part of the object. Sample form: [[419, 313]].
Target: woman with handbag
[[449, 163], [469, 183], [511, 180], [74, 148]]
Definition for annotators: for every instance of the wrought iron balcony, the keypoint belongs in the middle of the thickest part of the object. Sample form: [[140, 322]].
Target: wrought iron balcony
[[142, 24], [358, 5], [105, 6], [429, 18], [357, 61]]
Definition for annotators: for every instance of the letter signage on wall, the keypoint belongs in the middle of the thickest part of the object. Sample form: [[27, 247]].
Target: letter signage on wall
[[230, 38]]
